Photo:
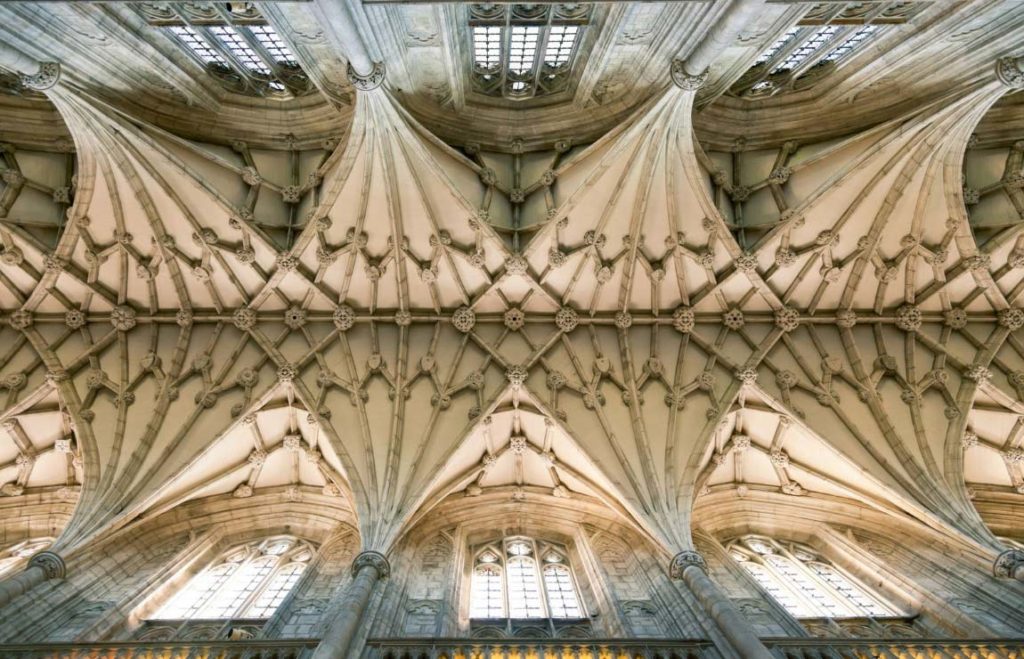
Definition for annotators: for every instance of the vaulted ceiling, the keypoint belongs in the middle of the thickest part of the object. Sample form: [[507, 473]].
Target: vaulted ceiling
[[378, 294]]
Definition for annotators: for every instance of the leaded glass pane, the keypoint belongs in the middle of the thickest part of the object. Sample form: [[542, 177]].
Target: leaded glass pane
[[561, 40], [196, 593], [807, 48], [486, 593], [850, 44], [240, 49], [777, 590], [561, 592], [239, 588], [860, 601], [487, 47], [827, 604], [803, 584], [524, 599], [247, 581], [777, 46], [276, 591], [270, 40], [522, 48], [197, 46]]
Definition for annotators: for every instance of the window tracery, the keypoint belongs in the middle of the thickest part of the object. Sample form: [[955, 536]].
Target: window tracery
[[804, 583], [249, 581], [521, 51], [828, 33], [12, 556], [235, 44], [520, 577]]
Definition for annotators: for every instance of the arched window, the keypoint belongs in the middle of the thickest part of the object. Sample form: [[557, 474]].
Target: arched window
[[804, 583], [249, 581], [487, 595], [523, 578], [15, 554]]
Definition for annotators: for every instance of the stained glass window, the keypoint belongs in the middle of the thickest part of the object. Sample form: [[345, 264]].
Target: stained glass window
[[249, 581], [804, 584], [523, 578]]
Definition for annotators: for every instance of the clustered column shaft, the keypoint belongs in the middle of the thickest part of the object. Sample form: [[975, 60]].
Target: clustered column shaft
[[42, 567], [368, 568], [690, 568]]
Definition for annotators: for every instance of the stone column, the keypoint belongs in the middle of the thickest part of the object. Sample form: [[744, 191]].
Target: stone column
[[41, 567], [690, 568], [368, 568], [1009, 565]]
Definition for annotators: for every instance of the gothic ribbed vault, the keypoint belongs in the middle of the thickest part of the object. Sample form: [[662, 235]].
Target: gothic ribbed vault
[[324, 298]]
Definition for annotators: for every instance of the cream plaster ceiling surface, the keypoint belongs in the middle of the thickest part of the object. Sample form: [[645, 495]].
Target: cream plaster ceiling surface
[[365, 313]]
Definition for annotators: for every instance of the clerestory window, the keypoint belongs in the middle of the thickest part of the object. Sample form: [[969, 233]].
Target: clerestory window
[[521, 51], [234, 43], [804, 583], [520, 577], [828, 34], [249, 581]]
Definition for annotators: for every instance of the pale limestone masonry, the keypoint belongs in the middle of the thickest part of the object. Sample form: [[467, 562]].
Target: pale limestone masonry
[[305, 303]]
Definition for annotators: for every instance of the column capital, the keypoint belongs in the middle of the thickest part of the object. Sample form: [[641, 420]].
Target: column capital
[[47, 76], [1010, 71], [683, 560], [1008, 563], [686, 80], [373, 559], [371, 80], [50, 563]]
